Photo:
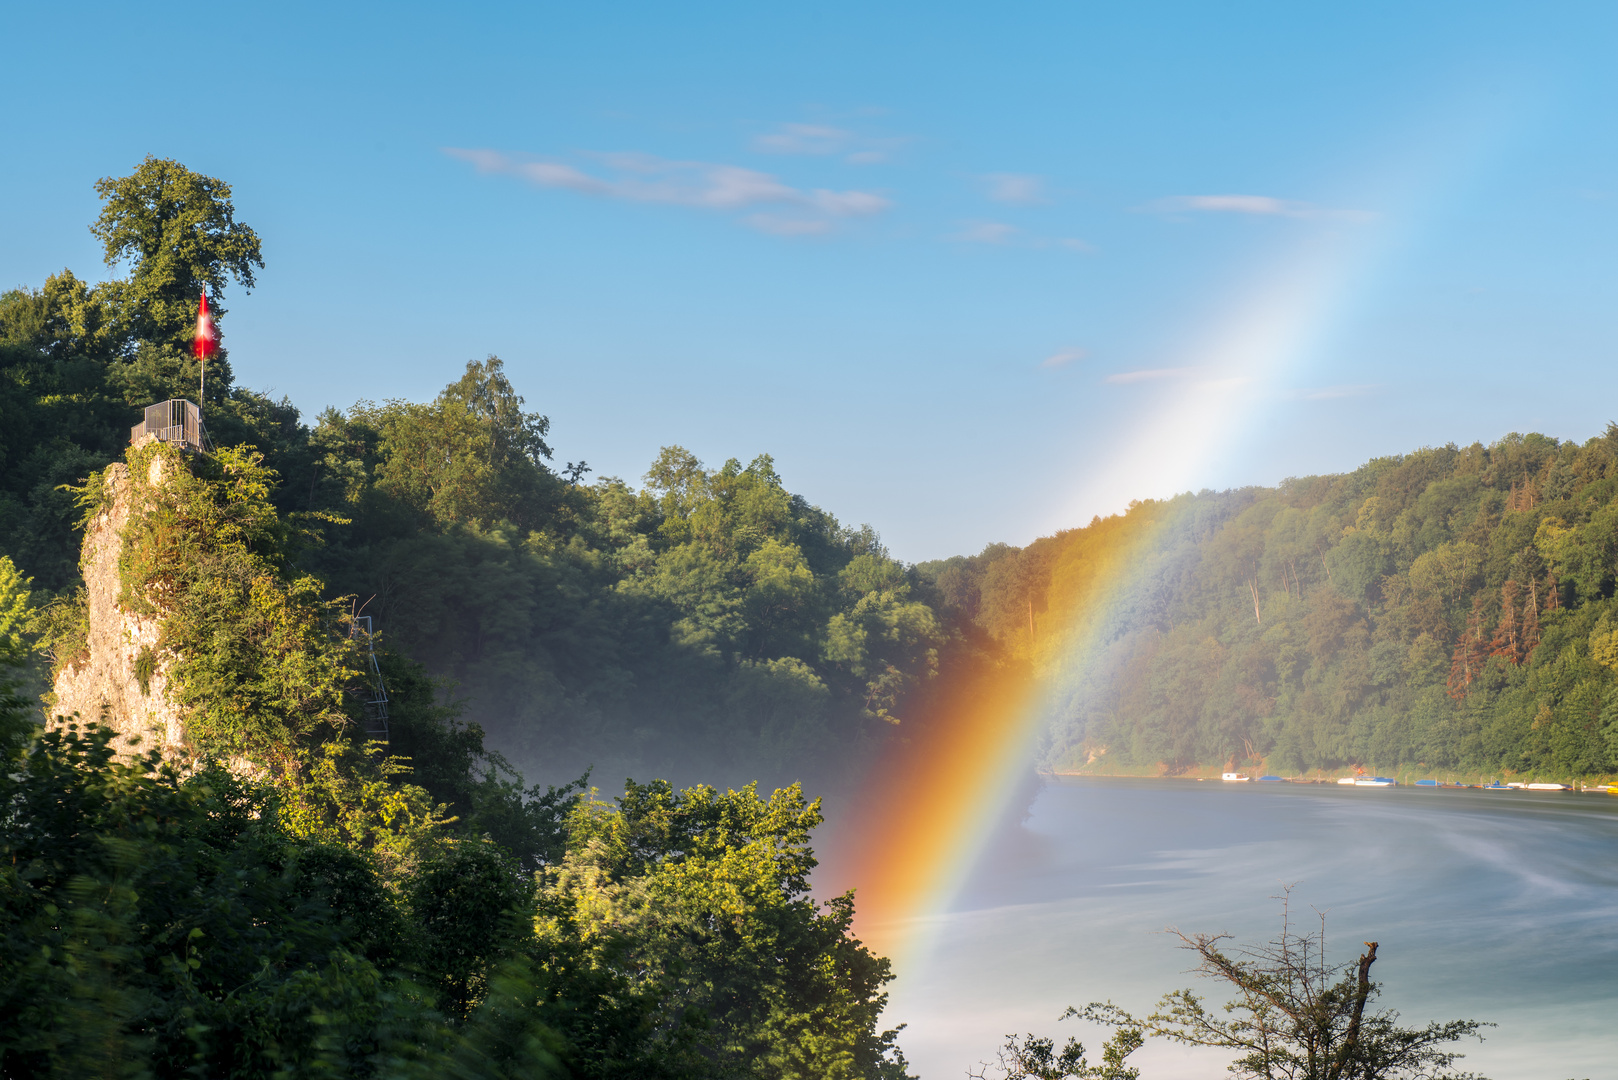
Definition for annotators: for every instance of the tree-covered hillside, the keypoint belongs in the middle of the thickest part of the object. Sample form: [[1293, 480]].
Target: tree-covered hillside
[[1452, 609], [270, 892], [703, 622]]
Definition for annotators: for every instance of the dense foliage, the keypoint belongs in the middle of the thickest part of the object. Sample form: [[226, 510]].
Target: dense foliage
[[710, 619], [311, 911], [1450, 609], [281, 898], [158, 924]]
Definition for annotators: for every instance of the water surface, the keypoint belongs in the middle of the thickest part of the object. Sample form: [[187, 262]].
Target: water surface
[[1497, 906]]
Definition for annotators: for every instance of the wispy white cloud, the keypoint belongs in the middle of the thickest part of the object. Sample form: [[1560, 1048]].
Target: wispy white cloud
[[704, 185], [1001, 234], [823, 140], [987, 232], [1017, 189], [1063, 357], [1253, 205], [1148, 375], [804, 139]]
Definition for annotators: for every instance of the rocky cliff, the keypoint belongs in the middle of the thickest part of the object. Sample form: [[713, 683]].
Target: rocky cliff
[[121, 679]]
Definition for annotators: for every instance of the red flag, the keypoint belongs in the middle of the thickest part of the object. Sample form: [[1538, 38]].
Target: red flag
[[207, 342]]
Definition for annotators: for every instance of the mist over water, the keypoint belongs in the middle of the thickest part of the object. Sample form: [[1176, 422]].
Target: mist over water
[[1496, 906]]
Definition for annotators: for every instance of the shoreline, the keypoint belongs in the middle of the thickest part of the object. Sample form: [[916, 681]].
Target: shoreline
[[1403, 777]]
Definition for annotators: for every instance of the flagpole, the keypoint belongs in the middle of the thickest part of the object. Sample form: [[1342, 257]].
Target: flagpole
[[202, 386]]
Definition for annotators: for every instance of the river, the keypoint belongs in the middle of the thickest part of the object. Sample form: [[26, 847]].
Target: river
[[1497, 906]]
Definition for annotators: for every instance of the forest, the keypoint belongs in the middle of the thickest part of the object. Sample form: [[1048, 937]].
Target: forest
[[1451, 609], [705, 622], [283, 897]]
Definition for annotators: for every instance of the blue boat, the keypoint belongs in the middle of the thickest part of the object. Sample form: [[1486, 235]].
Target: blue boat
[[1270, 779], [1428, 783], [1496, 786]]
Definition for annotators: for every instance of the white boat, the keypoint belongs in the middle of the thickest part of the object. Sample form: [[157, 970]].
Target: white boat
[[1233, 778], [1547, 787], [1349, 780], [1374, 781]]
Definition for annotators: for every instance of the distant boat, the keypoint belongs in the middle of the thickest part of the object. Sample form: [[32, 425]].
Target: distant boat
[[1496, 786], [1233, 777], [1428, 783], [1269, 779], [1347, 780], [1375, 781], [1547, 787]]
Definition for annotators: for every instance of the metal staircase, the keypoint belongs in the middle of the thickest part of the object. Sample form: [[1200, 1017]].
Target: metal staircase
[[376, 704]]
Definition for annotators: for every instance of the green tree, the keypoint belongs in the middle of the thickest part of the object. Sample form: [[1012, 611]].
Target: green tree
[[1297, 1016], [698, 900], [1033, 1057], [177, 231], [260, 661]]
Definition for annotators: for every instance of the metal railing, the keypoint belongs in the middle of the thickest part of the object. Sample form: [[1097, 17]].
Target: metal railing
[[375, 702], [175, 421]]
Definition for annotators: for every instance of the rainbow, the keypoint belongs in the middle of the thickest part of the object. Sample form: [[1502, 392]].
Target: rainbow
[[938, 796], [941, 793]]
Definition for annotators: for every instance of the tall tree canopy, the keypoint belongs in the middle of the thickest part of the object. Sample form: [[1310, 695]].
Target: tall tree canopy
[[177, 231]]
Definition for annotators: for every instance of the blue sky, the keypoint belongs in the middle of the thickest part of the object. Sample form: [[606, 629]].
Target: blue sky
[[968, 272]]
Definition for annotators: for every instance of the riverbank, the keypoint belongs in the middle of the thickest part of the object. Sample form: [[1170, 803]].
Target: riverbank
[[1403, 775]]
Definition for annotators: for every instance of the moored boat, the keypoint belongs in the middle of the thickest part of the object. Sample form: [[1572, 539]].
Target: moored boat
[[1375, 781], [1270, 779], [1347, 780], [1428, 783], [1547, 787], [1233, 778]]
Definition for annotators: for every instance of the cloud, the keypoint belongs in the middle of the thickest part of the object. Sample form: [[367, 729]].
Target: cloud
[[645, 178], [823, 140], [1000, 234], [803, 139], [1253, 205], [1063, 358], [1018, 189], [987, 232], [1122, 377]]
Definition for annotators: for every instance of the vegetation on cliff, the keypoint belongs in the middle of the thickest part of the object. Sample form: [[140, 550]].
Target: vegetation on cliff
[[1453, 607]]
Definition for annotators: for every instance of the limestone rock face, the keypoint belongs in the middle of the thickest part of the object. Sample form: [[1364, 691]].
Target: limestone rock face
[[105, 685]]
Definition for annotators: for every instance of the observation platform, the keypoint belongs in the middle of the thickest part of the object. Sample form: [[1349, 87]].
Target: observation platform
[[176, 421]]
